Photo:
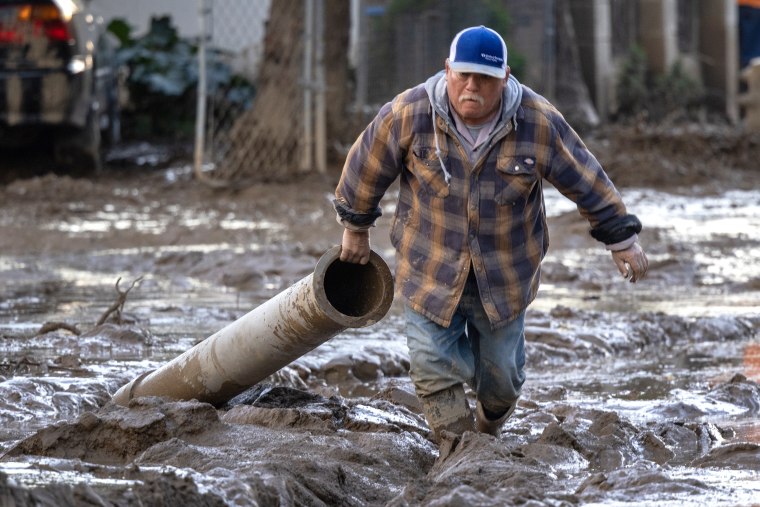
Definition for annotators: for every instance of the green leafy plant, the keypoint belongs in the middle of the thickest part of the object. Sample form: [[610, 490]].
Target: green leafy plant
[[641, 93], [163, 77], [632, 89], [677, 92]]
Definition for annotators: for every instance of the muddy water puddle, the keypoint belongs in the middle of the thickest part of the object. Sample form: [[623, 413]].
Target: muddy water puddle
[[635, 394]]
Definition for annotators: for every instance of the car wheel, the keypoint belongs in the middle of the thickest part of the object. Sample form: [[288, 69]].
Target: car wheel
[[79, 152]]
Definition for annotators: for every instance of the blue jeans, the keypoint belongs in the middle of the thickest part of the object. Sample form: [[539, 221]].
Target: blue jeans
[[468, 351]]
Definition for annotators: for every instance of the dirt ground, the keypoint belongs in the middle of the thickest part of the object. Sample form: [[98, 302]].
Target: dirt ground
[[636, 394]]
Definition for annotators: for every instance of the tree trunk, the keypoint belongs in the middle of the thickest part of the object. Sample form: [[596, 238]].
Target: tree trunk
[[265, 142], [573, 97], [340, 128]]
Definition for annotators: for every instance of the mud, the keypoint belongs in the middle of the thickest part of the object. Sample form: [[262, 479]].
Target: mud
[[638, 394]]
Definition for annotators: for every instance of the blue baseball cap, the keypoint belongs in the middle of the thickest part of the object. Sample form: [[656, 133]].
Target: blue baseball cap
[[480, 50]]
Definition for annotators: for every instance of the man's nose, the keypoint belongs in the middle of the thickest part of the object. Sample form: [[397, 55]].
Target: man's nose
[[473, 81]]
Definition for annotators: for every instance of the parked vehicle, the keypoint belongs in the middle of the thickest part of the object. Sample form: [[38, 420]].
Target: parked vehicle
[[58, 80]]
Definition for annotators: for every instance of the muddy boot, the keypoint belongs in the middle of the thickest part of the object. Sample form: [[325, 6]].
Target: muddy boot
[[491, 426], [448, 411]]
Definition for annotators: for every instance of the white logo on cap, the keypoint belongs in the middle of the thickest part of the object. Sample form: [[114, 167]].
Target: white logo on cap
[[491, 58]]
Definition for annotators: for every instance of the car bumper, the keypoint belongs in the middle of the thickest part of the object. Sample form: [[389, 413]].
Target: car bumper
[[44, 97]]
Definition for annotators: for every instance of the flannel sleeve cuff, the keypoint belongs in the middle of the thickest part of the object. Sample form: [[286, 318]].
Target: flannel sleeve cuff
[[356, 221], [616, 230], [622, 245], [351, 227]]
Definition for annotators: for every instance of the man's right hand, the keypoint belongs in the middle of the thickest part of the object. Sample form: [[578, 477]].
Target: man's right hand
[[355, 247], [631, 262]]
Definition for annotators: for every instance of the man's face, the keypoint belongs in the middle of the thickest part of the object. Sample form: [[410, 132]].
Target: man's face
[[475, 97]]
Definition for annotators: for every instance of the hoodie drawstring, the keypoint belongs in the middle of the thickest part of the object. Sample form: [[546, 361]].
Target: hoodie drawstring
[[446, 174]]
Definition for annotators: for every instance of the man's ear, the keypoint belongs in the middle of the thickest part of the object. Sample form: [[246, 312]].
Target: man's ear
[[506, 76]]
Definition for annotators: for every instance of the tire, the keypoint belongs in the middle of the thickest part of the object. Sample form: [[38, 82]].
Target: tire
[[79, 152]]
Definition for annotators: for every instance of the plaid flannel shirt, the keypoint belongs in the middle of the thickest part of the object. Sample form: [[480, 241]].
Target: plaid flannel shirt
[[490, 215]]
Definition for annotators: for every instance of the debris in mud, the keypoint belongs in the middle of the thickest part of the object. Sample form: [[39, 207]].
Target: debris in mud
[[117, 307], [142, 154], [678, 155], [49, 327]]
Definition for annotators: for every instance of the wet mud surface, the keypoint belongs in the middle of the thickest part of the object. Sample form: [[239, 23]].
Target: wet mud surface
[[636, 394]]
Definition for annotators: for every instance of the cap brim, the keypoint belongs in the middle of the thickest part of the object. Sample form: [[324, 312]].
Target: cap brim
[[478, 68]]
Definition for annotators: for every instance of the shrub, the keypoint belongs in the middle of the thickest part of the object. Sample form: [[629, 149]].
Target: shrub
[[641, 94], [163, 77]]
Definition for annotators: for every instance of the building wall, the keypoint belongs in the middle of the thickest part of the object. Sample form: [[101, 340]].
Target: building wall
[[235, 26], [137, 13], [186, 17]]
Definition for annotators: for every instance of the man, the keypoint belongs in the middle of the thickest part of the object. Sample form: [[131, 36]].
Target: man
[[471, 147]]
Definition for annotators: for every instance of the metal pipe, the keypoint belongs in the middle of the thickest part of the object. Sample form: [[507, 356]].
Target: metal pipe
[[336, 296]]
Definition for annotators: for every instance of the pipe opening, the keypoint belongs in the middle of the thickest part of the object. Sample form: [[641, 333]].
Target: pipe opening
[[355, 290]]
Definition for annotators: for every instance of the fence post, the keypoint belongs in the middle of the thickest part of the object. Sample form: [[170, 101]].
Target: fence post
[[200, 111], [306, 154], [320, 127]]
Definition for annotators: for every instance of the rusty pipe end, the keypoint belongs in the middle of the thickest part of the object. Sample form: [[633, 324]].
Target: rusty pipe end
[[353, 295]]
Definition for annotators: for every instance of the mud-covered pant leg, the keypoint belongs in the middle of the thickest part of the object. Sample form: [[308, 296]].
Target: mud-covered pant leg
[[492, 362], [499, 362], [440, 356]]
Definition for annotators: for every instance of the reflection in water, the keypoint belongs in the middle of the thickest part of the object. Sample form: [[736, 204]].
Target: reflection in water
[[157, 221]]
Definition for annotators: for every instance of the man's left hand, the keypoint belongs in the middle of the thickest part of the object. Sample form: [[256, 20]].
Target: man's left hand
[[631, 262]]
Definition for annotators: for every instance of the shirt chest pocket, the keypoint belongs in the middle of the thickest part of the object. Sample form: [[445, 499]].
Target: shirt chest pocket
[[425, 165], [516, 178]]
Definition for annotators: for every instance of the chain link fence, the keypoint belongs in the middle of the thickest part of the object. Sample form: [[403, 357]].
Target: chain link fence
[[258, 125], [268, 124], [401, 44], [269, 121]]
